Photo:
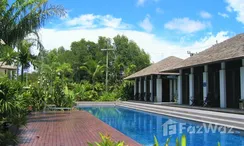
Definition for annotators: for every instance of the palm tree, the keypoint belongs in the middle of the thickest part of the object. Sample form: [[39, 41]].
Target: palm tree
[[25, 57], [7, 55], [64, 69], [93, 69], [24, 17]]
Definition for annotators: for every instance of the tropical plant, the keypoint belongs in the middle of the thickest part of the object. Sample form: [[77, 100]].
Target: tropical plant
[[182, 142], [155, 141], [24, 56], [7, 55], [8, 138], [123, 90], [79, 91], [23, 17], [108, 96], [37, 97], [106, 141], [93, 69], [64, 70], [70, 97], [12, 111]]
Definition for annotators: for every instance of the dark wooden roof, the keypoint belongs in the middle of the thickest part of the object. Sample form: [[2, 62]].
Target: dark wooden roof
[[227, 50], [155, 68]]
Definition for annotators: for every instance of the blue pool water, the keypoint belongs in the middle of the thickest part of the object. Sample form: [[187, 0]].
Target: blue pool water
[[142, 126]]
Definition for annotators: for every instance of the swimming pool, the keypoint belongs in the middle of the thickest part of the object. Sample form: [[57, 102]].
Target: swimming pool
[[142, 126]]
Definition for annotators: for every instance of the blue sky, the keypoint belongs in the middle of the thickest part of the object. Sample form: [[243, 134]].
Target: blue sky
[[162, 28]]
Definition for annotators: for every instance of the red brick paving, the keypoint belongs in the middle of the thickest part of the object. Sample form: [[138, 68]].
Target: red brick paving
[[75, 128]]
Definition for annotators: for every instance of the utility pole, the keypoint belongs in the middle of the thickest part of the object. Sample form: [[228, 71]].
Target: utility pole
[[107, 66]]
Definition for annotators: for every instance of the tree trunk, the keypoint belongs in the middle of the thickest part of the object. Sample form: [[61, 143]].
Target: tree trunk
[[22, 73]]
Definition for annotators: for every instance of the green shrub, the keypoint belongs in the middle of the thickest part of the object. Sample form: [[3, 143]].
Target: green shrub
[[37, 97], [108, 96], [90, 95], [124, 90], [12, 110], [106, 141], [69, 97], [62, 96], [182, 142]]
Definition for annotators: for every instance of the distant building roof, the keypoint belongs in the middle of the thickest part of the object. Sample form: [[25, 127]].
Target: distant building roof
[[227, 50], [155, 68], [10, 67]]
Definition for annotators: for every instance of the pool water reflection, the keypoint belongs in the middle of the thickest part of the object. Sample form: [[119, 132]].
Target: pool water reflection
[[142, 126]]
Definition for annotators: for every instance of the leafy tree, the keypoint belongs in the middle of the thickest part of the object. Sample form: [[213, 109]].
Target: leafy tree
[[23, 17]]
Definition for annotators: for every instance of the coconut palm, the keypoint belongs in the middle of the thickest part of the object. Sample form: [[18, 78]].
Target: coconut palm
[[25, 57], [7, 55], [93, 69], [23, 17]]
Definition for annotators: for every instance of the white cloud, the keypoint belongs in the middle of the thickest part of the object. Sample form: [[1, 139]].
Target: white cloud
[[146, 24], [92, 21], [159, 10], [205, 15], [142, 2], [86, 20], [229, 9], [223, 15], [238, 7], [110, 21], [157, 47], [186, 25]]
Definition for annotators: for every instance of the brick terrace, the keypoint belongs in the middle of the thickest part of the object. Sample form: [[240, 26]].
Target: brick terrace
[[74, 128]]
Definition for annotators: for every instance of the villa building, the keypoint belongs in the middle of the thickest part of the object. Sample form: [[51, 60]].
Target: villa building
[[213, 77], [7, 70], [152, 85]]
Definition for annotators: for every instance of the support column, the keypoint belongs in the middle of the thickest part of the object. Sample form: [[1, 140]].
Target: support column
[[135, 88], [175, 89], [180, 88], [205, 82], [242, 80], [170, 90], [222, 85], [191, 86], [145, 89], [159, 89], [139, 89], [151, 89], [10, 74]]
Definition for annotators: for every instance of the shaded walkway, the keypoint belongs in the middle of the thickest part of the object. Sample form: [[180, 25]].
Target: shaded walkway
[[74, 128]]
